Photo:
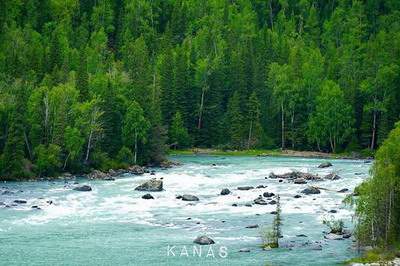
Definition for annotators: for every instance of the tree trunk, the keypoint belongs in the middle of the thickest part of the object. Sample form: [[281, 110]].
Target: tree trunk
[[373, 131], [250, 132], [292, 125], [28, 147], [283, 125], [88, 146], [201, 107], [271, 18], [66, 160], [135, 153]]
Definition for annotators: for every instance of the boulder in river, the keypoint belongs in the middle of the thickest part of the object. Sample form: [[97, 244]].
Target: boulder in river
[[296, 175], [147, 196], [188, 197], [260, 201], [244, 250], [151, 185], [245, 188], [311, 190], [332, 236], [343, 190], [272, 202], [19, 201], [136, 169], [297, 196], [325, 165], [252, 226], [332, 176], [203, 240], [268, 194], [225, 191], [83, 188], [97, 174], [300, 181], [36, 207]]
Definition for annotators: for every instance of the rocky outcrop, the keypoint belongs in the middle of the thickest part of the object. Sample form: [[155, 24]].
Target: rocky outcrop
[[188, 197], [325, 165], [296, 176], [136, 170], [311, 190], [225, 191], [84, 188], [151, 185], [97, 174], [203, 240]]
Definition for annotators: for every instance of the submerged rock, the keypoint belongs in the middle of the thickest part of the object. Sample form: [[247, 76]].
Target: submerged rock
[[343, 190], [325, 165], [261, 186], [245, 188], [225, 191], [252, 226], [244, 250], [188, 197], [83, 188], [151, 185], [19, 201], [36, 207], [272, 202], [297, 196], [203, 240], [311, 190], [147, 196]]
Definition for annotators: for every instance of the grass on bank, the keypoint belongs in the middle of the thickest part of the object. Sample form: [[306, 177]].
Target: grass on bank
[[375, 255]]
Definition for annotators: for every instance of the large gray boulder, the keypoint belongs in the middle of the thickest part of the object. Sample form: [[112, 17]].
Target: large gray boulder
[[151, 185], [136, 170], [188, 197], [96, 174], [203, 240], [311, 190], [84, 188], [325, 165]]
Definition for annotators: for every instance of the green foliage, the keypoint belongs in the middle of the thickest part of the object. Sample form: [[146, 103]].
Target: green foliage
[[336, 226], [242, 75], [47, 159], [178, 134]]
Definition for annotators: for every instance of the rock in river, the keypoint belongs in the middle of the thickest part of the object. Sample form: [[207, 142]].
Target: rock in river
[[325, 165], [203, 240], [225, 191], [260, 201], [188, 197], [300, 181], [244, 250], [83, 188], [245, 188], [296, 175], [332, 176], [343, 190], [96, 174], [252, 226], [147, 196], [268, 194], [332, 236], [151, 185], [19, 201], [311, 190]]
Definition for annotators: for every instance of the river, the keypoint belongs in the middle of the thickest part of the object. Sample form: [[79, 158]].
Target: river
[[113, 225]]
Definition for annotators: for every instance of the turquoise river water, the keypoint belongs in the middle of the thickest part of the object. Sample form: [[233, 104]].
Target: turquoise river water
[[113, 225]]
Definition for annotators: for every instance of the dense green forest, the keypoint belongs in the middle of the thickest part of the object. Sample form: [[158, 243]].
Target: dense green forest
[[105, 83]]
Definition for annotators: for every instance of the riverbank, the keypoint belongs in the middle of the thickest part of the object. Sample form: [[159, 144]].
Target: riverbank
[[276, 152]]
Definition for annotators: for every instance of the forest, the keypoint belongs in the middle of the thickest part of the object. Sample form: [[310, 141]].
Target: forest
[[105, 83]]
